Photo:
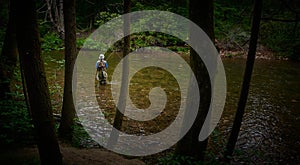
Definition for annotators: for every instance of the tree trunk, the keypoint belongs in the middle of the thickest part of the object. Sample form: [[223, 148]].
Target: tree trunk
[[49, 11], [57, 20], [201, 13], [30, 56], [246, 82], [68, 109], [8, 58], [61, 18], [25, 88], [124, 86]]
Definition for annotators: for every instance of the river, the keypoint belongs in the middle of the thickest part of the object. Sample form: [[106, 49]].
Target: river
[[270, 131]]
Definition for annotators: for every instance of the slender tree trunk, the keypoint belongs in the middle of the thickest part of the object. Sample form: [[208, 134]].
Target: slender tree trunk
[[61, 17], [125, 71], [68, 109], [25, 91], [201, 13], [246, 82], [49, 11], [8, 58], [57, 20], [30, 56], [56, 16]]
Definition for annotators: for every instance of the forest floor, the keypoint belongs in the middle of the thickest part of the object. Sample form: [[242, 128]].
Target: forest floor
[[71, 156]]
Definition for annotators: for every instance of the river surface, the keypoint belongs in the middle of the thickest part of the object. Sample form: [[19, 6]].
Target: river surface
[[270, 131]]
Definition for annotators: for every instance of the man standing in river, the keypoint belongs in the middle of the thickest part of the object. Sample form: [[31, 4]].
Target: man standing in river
[[101, 66]]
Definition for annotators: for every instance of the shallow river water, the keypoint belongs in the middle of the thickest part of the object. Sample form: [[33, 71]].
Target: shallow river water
[[270, 131]]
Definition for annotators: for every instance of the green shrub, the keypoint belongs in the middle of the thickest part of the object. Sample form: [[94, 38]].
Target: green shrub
[[232, 24], [16, 126], [80, 42], [51, 41], [279, 37], [104, 17]]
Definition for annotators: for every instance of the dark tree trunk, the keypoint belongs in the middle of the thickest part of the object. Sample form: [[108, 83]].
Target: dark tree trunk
[[68, 109], [125, 71], [25, 91], [8, 58], [246, 82], [201, 13], [30, 56]]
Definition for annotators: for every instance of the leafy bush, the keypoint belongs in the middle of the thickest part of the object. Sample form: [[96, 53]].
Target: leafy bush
[[51, 41], [16, 126], [81, 138], [137, 40], [232, 25], [280, 37], [145, 39], [80, 42], [104, 17], [89, 43]]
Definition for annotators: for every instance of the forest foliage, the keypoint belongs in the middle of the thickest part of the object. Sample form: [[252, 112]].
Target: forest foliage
[[280, 31]]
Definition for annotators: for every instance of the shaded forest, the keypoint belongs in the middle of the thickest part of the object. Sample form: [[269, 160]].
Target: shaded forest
[[258, 42]]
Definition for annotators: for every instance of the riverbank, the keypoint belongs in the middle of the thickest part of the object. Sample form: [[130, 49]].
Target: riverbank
[[227, 50], [71, 156]]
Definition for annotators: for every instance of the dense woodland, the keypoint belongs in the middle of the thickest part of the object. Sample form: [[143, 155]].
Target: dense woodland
[[279, 28], [39, 43]]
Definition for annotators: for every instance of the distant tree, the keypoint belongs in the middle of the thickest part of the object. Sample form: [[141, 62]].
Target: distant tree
[[68, 109], [201, 13], [55, 13], [29, 48], [246, 82], [8, 57], [88, 11]]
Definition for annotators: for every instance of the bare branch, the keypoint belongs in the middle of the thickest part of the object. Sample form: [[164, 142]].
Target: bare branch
[[38, 10]]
